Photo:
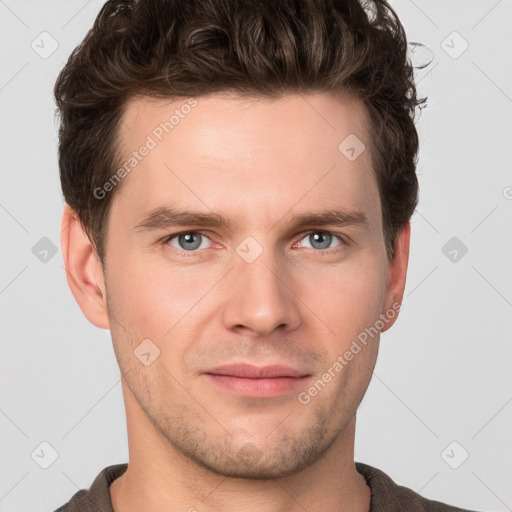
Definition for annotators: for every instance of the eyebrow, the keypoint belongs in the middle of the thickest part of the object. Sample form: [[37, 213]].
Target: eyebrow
[[164, 217]]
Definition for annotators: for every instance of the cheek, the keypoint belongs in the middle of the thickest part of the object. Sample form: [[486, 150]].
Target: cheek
[[347, 299], [154, 298], [152, 302]]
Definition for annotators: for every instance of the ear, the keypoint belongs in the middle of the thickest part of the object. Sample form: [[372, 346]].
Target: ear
[[397, 271], [83, 270]]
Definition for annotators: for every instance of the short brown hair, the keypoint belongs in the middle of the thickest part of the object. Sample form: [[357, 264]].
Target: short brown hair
[[167, 48]]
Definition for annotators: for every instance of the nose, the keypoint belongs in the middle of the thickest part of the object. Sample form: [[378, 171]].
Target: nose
[[261, 298]]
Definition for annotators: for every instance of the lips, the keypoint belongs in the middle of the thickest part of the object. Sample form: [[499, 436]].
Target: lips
[[257, 381], [256, 372]]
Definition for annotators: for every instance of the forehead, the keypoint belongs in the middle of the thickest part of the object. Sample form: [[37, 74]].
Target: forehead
[[216, 117], [248, 154]]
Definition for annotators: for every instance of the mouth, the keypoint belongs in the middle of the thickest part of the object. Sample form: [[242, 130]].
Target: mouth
[[257, 381]]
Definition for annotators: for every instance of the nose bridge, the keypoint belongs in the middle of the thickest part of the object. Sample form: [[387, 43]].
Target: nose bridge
[[259, 299]]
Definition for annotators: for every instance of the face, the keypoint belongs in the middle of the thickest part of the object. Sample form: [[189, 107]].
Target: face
[[245, 262]]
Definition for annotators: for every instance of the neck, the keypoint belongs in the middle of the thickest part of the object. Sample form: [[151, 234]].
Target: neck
[[160, 478]]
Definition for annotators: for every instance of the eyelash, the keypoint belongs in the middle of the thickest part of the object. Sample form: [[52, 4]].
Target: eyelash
[[336, 249]]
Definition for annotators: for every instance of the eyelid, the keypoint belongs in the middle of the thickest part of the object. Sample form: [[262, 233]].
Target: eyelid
[[185, 232]]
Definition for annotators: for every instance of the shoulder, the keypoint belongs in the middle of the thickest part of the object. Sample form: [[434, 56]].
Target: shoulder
[[387, 496], [97, 497]]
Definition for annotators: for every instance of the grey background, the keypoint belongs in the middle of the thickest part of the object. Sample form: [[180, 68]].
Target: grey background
[[443, 373]]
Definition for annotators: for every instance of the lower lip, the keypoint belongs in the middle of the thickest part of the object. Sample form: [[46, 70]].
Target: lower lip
[[257, 388]]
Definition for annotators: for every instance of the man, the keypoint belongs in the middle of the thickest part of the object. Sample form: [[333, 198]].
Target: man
[[239, 179]]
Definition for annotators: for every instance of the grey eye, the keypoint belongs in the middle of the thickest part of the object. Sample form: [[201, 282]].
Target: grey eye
[[188, 241], [321, 240]]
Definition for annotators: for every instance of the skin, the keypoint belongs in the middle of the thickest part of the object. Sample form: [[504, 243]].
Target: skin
[[259, 163]]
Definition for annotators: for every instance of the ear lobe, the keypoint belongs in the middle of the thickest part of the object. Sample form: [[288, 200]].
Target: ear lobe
[[84, 272], [397, 272]]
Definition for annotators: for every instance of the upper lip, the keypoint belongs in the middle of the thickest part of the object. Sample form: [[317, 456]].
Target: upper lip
[[256, 372]]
